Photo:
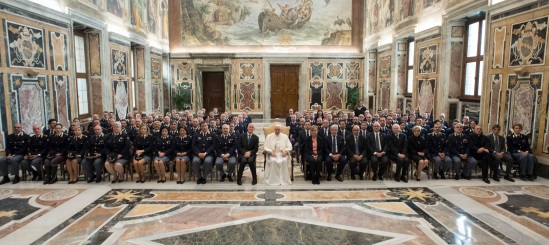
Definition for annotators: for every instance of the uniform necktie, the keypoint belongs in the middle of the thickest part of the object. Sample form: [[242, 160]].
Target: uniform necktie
[[356, 145], [334, 146], [378, 144]]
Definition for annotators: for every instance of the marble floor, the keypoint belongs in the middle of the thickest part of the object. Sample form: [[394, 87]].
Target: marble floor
[[349, 212]]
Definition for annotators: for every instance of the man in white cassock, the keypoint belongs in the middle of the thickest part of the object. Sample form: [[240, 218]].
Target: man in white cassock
[[278, 146]]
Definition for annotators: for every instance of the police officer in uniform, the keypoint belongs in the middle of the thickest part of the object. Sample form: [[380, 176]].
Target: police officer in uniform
[[162, 152], [77, 146], [438, 151], [57, 150], [460, 145], [183, 148], [519, 148], [142, 145], [225, 149], [117, 150], [203, 153], [16, 148], [37, 150], [94, 156], [174, 131]]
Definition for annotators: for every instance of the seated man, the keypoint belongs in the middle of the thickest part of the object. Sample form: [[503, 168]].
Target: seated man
[[496, 146], [37, 150], [460, 145], [520, 150], [203, 153], [398, 153], [278, 147], [479, 150], [438, 151], [225, 148], [335, 149], [377, 143], [248, 144], [357, 153], [16, 148]]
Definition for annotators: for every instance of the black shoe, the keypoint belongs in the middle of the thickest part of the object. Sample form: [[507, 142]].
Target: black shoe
[[404, 179], [70, 182], [456, 177], [523, 177], [35, 176], [352, 176], [435, 176], [222, 178], [254, 182], [465, 177], [53, 180], [381, 177], [239, 182], [138, 181], [90, 180], [486, 180], [508, 178], [338, 178], [396, 178], [230, 178], [204, 181], [98, 180], [530, 177], [6, 179], [361, 177], [496, 178], [374, 178], [199, 181], [442, 175], [115, 180], [16, 179], [329, 177], [122, 180]]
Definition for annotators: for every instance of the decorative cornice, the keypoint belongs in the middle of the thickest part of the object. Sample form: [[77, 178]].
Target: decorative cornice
[[431, 32], [84, 19], [35, 11], [119, 39]]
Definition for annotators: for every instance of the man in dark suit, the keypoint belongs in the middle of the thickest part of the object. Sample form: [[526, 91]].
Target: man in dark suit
[[343, 130], [496, 146], [364, 129], [50, 130], [324, 131], [357, 153], [383, 126], [247, 146], [302, 136], [289, 117], [335, 149], [377, 144], [442, 120], [398, 153], [480, 151]]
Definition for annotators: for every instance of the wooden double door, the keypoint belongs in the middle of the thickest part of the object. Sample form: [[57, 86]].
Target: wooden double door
[[213, 91], [284, 89]]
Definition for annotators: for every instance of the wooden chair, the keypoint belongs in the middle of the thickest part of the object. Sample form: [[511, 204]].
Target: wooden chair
[[285, 130]]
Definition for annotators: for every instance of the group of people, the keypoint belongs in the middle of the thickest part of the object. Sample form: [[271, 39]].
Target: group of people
[[178, 137], [359, 138], [366, 140]]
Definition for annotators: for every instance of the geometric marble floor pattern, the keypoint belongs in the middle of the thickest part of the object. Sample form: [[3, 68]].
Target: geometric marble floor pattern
[[351, 212]]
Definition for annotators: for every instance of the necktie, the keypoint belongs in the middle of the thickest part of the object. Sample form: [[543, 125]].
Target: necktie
[[249, 138], [325, 131], [497, 143], [307, 134], [378, 144], [334, 145], [356, 145]]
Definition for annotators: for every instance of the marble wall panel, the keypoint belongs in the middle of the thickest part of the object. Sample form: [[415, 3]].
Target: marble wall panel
[[384, 93], [401, 77], [140, 62], [58, 51], [470, 109], [427, 59], [184, 71], [528, 42], [141, 95], [372, 75], [183, 83], [426, 92], [457, 31], [498, 49], [156, 96], [96, 96], [2, 111], [353, 70], [316, 102], [156, 67], [316, 70], [61, 86], [334, 95], [456, 62], [247, 71], [165, 99], [25, 46], [247, 94], [94, 51], [121, 104], [523, 102], [119, 62], [31, 97], [495, 97], [334, 70], [385, 66]]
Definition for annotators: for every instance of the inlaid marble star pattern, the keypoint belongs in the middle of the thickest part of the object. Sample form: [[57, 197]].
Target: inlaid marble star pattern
[[416, 194], [121, 196]]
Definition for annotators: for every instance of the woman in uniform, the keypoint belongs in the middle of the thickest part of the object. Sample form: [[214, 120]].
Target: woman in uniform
[[94, 159], [183, 150], [57, 149], [418, 151], [142, 145], [162, 152], [117, 149], [78, 144]]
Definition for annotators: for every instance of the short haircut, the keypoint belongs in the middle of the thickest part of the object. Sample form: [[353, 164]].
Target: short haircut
[[496, 126]]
